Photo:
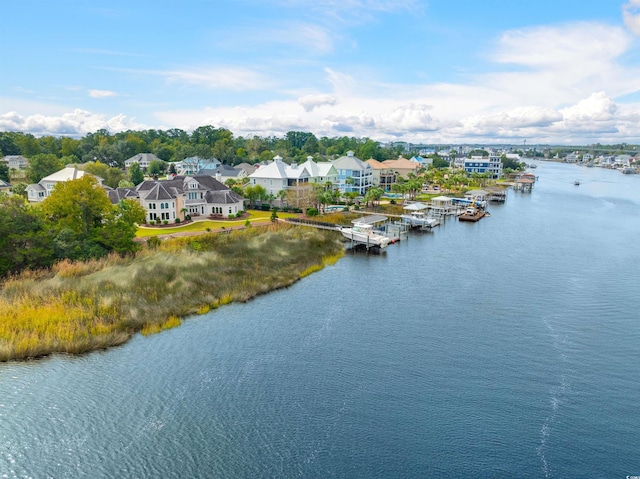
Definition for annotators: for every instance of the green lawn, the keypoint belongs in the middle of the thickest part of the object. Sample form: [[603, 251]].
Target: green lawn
[[253, 216]]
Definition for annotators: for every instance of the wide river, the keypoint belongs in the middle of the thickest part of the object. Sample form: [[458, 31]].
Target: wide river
[[507, 348]]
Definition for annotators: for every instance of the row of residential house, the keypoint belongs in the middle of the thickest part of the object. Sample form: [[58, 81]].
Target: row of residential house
[[163, 200], [198, 187]]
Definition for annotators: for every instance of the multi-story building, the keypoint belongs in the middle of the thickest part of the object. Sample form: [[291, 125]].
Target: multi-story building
[[183, 195], [354, 175], [483, 164], [383, 175]]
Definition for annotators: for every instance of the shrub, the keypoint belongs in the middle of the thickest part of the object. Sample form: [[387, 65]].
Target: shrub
[[187, 217], [231, 216], [312, 212], [165, 222], [247, 224], [153, 242], [177, 220]]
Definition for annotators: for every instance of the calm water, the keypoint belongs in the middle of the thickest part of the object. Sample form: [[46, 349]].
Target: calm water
[[507, 348]]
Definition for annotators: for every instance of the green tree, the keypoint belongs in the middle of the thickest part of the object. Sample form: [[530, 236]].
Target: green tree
[[156, 167], [135, 174], [4, 172], [24, 241], [119, 226], [43, 165], [76, 211], [20, 189]]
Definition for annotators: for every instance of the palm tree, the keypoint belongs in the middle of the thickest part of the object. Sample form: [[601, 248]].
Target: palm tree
[[282, 196]]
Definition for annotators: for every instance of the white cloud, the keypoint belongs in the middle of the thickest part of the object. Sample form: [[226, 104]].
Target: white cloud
[[311, 102], [310, 38], [584, 44], [631, 15], [77, 123], [226, 78], [101, 93]]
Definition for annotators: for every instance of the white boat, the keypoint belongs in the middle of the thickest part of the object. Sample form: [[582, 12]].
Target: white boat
[[418, 218], [363, 233]]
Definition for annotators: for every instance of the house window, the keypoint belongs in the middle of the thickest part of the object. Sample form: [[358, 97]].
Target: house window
[[161, 206]]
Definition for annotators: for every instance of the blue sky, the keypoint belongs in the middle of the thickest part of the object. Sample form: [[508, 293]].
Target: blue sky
[[438, 71]]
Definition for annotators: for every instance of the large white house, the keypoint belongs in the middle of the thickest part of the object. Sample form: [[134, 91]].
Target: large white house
[[168, 200], [278, 176], [40, 191]]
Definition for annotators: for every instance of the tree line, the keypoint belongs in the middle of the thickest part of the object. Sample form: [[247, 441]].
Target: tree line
[[176, 145]]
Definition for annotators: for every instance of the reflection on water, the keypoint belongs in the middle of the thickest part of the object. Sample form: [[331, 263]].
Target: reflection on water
[[504, 348]]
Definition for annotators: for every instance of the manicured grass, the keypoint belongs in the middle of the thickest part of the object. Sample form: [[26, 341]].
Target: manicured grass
[[79, 307], [202, 225]]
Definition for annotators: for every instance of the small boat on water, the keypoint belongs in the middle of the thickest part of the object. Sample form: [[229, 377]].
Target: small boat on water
[[577, 183], [472, 214], [363, 233]]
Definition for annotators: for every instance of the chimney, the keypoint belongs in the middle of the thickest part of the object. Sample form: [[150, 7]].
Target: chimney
[[219, 176]]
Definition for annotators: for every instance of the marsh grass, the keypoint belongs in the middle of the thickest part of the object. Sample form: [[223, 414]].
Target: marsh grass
[[79, 307]]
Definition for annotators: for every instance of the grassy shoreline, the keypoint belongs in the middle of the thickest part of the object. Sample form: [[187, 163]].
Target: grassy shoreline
[[80, 307]]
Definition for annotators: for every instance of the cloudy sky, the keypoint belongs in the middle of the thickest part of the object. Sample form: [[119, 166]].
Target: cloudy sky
[[434, 71]]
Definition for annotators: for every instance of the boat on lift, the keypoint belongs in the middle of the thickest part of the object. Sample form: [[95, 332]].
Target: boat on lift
[[363, 233]]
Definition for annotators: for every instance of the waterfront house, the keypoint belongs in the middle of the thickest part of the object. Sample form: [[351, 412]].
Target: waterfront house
[[321, 172], [354, 175], [278, 175], [572, 157], [142, 159], [173, 199], [38, 192], [383, 175], [402, 166], [483, 164]]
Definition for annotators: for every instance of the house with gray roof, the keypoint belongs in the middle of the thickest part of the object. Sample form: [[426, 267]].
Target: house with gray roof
[[248, 169], [168, 200], [222, 173], [360, 174]]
